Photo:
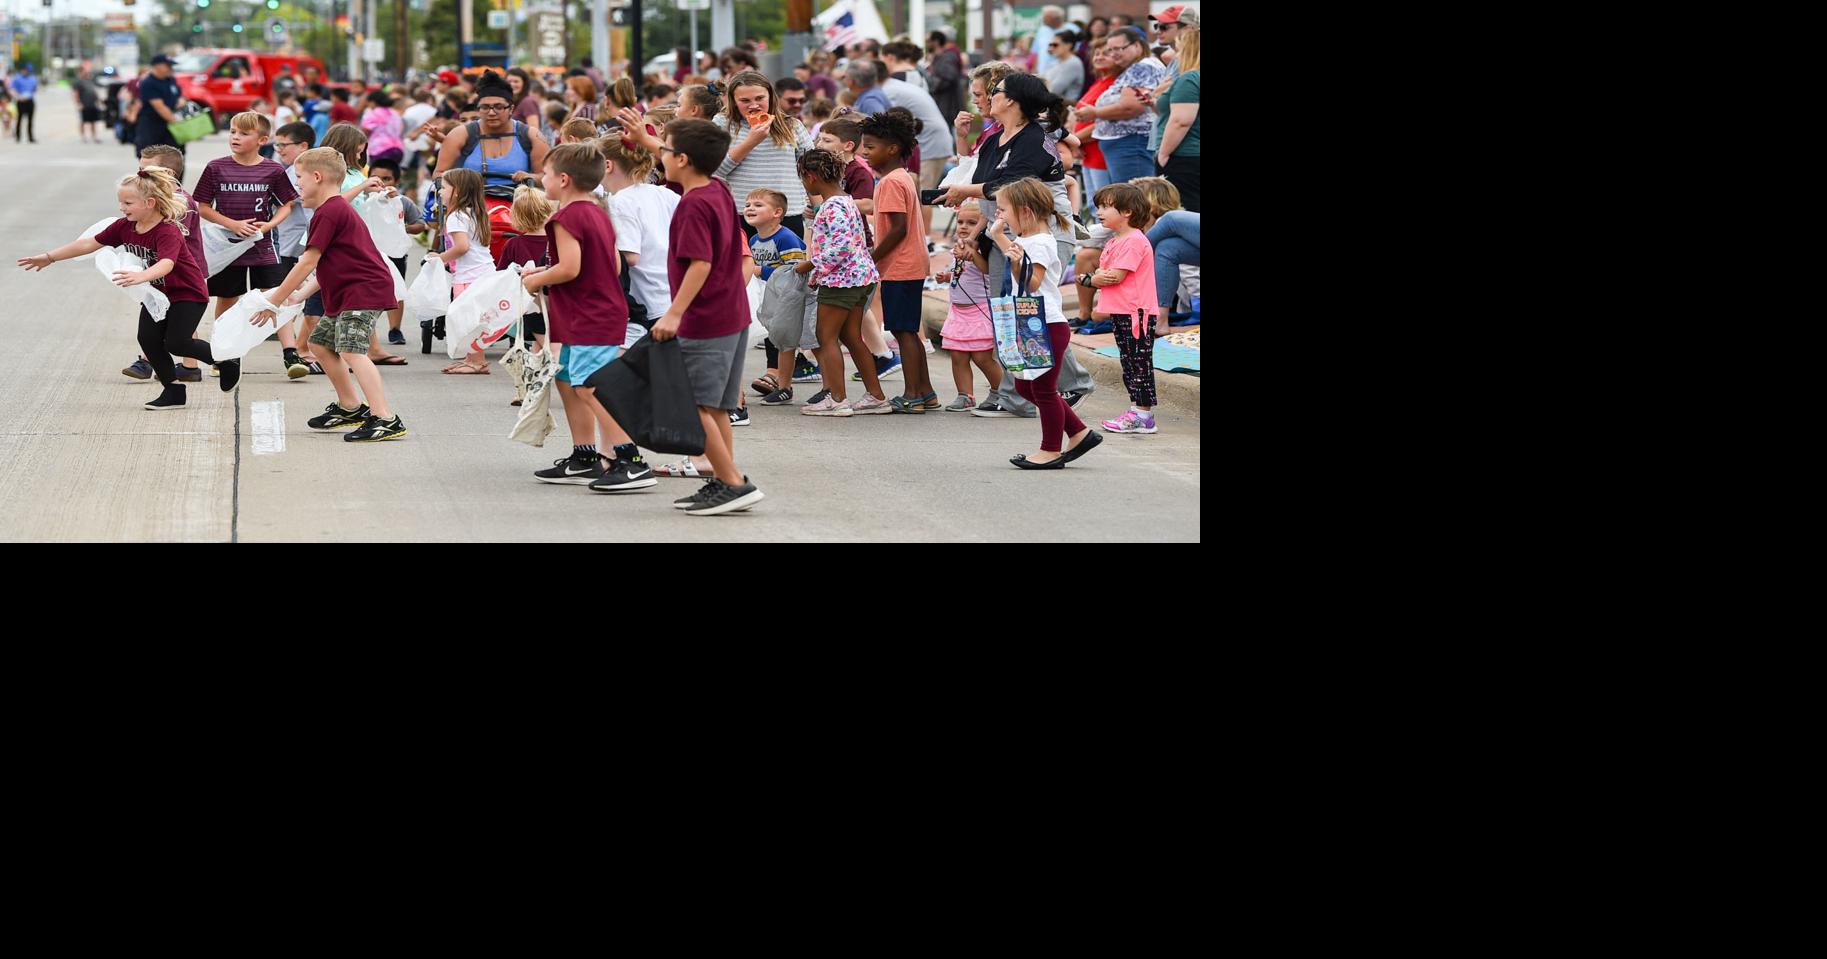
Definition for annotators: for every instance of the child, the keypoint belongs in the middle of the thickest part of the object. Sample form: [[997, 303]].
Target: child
[[357, 288], [590, 318], [466, 242], [577, 130], [969, 335], [352, 145], [843, 136], [1022, 230], [554, 121], [819, 112], [1125, 280], [845, 275], [530, 213], [709, 312], [249, 196], [900, 250], [773, 247], [151, 228], [261, 107], [641, 213], [388, 173], [171, 160]]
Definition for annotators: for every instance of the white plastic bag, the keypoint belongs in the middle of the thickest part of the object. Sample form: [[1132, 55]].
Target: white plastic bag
[[399, 282], [220, 247], [962, 173], [235, 335], [112, 259], [94, 230], [386, 223], [429, 297], [484, 312]]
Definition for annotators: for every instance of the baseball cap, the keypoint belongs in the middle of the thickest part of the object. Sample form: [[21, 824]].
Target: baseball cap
[[450, 77], [162, 58], [1181, 14]]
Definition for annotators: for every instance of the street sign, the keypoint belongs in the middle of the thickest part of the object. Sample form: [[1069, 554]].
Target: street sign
[[549, 33], [118, 22], [374, 51], [694, 4], [498, 19]]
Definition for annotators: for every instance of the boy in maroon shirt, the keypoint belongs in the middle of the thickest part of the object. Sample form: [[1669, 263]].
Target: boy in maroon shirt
[[248, 195], [357, 288], [589, 316], [710, 310]]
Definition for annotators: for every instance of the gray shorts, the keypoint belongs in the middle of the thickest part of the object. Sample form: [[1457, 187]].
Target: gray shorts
[[715, 369]]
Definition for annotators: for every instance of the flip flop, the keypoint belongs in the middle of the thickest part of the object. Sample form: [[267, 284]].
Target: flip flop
[[389, 360], [464, 369]]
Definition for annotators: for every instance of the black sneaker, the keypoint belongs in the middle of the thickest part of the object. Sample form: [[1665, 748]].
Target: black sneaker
[[1071, 397], [807, 373], [704, 492], [726, 499], [172, 398], [376, 430], [990, 407], [140, 370], [187, 375], [295, 368], [819, 397], [626, 476], [337, 418], [231, 374], [778, 398], [578, 469], [740, 416]]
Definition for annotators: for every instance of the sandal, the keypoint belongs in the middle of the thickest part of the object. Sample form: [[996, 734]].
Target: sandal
[[684, 469], [465, 369], [765, 384], [388, 360]]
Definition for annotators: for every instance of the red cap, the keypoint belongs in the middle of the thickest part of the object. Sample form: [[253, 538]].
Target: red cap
[[1180, 14], [450, 78]]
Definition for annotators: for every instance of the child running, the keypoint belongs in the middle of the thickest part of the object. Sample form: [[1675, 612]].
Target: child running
[[900, 250], [169, 158], [466, 244], [773, 247], [845, 275], [709, 312], [151, 228], [357, 288], [969, 334], [249, 196], [530, 213], [1021, 230], [589, 317], [1125, 281]]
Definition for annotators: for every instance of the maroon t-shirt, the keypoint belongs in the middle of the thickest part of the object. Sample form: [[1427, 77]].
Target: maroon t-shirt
[[349, 268], [859, 182], [704, 227], [193, 223], [186, 282], [590, 310], [341, 112], [522, 249], [247, 193]]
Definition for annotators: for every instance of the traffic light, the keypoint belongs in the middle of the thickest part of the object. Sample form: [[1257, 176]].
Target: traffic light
[[276, 27], [272, 4], [237, 28], [202, 4], [196, 27]]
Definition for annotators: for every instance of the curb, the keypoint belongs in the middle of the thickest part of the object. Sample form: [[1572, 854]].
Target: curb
[[1176, 391]]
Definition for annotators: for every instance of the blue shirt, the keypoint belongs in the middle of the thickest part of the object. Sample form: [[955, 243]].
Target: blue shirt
[[783, 248], [25, 85], [873, 102]]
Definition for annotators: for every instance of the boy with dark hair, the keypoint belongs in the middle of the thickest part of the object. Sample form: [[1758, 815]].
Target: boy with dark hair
[[587, 313], [709, 312]]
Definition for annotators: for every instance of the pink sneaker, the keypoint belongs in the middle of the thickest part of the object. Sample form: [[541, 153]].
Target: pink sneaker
[[866, 404], [1134, 421], [825, 407]]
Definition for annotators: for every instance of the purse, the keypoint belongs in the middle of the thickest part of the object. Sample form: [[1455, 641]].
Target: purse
[[1020, 322]]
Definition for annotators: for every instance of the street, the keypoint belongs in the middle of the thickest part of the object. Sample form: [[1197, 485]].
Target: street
[[81, 461]]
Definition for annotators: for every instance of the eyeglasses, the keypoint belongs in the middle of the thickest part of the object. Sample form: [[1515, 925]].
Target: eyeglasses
[[668, 150], [794, 101], [485, 108]]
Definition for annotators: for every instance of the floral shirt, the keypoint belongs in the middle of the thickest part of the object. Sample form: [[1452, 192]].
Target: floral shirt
[[1147, 74], [842, 250]]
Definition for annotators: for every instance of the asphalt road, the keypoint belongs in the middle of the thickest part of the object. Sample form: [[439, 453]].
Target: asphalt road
[[81, 461]]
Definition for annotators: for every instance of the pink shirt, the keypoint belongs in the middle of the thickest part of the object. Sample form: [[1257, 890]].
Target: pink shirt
[[1137, 291]]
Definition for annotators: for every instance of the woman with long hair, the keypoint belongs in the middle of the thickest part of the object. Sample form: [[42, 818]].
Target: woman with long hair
[[765, 144], [580, 96]]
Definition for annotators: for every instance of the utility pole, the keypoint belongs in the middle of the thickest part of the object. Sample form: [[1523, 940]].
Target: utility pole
[[402, 59]]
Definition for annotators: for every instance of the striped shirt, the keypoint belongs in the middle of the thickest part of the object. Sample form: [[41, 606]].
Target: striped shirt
[[769, 166]]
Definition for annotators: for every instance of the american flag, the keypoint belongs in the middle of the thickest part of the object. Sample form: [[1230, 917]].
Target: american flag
[[842, 32]]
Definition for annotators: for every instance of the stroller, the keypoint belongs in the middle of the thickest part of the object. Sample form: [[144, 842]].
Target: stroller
[[501, 230]]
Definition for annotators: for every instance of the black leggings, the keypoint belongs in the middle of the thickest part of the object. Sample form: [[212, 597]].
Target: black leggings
[[175, 335], [27, 110]]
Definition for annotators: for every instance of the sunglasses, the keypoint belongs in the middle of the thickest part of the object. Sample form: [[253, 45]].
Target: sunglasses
[[794, 101], [996, 89]]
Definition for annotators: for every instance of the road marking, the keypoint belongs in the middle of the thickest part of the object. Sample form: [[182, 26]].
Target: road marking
[[269, 428]]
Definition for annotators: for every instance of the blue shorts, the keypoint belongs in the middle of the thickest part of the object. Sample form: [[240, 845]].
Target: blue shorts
[[579, 363], [901, 303]]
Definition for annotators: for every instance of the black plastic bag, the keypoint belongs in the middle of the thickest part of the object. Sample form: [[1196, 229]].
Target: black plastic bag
[[647, 392]]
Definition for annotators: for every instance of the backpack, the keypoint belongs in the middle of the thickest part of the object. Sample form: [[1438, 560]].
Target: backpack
[[476, 136]]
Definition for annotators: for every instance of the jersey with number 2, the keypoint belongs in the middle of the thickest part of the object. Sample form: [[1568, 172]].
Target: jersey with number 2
[[247, 193]]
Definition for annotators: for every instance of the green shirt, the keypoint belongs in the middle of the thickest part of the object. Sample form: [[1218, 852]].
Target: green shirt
[[1184, 90]]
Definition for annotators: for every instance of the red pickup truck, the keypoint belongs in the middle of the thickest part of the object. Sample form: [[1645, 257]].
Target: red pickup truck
[[229, 81]]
